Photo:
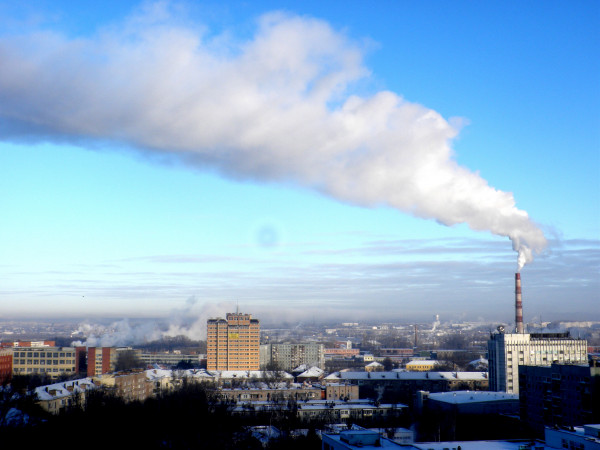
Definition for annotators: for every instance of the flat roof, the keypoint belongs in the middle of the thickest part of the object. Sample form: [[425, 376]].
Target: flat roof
[[393, 375], [476, 445], [464, 397]]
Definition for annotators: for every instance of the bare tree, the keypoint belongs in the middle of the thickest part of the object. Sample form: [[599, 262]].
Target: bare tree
[[127, 360]]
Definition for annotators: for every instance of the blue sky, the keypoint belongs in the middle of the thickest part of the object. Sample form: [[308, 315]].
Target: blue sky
[[299, 159]]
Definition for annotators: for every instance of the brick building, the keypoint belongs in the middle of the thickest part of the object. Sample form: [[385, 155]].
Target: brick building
[[131, 385], [6, 358]]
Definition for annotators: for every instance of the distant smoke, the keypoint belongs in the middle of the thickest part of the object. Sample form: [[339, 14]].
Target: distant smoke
[[278, 107], [119, 334], [436, 323], [187, 322]]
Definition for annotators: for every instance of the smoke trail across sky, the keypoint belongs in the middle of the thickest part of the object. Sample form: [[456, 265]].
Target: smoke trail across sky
[[281, 106]]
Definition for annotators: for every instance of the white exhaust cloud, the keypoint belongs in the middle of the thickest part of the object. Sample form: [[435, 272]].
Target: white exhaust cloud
[[189, 321], [277, 107]]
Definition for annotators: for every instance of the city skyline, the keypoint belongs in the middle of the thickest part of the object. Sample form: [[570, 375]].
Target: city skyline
[[169, 159]]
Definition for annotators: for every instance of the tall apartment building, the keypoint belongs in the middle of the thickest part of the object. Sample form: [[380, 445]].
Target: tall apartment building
[[290, 356], [233, 343], [506, 352]]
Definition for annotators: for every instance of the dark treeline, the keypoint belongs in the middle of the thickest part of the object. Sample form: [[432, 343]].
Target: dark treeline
[[186, 418], [189, 418]]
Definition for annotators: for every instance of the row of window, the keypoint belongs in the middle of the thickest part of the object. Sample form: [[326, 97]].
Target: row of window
[[43, 355], [42, 370], [43, 362]]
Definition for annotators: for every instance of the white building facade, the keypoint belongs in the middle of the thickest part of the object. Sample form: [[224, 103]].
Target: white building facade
[[506, 352]]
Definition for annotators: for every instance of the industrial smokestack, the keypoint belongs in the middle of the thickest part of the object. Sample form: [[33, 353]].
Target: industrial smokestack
[[518, 305]]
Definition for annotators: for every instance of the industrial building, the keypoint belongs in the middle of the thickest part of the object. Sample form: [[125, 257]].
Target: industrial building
[[233, 343]]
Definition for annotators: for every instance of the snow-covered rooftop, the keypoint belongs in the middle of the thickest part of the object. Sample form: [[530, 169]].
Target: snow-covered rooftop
[[449, 376], [64, 389], [472, 396], [230, 374], [312, 372]]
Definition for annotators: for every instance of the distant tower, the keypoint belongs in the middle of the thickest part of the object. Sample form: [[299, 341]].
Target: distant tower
[[416, 336], [518, 305]]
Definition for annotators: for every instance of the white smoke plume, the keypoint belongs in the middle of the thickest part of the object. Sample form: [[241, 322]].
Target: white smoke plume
[[188, 321], [436, 323], [118, 334], [276, 107]]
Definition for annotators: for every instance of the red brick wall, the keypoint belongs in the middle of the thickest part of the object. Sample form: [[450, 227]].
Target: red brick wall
[[6, 358]]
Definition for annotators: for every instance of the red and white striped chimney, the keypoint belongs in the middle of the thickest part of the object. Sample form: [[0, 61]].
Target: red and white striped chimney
[[518, 305]]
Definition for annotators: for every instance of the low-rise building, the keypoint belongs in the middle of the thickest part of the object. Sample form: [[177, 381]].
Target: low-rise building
[[55, 398], [311, 374], [130, 385], [341, 352], [411, 382], [341, 391], [325, 410], [258, 394], [474, 402], [374, 367], [233, 377], [586, 437], [421, 365], [396, 352]]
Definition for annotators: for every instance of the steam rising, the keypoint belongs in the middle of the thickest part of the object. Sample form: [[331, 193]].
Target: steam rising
[[123, 333], [277, 107]]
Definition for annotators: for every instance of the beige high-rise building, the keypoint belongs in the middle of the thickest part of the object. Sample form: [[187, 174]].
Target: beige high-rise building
[[233, 343]]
